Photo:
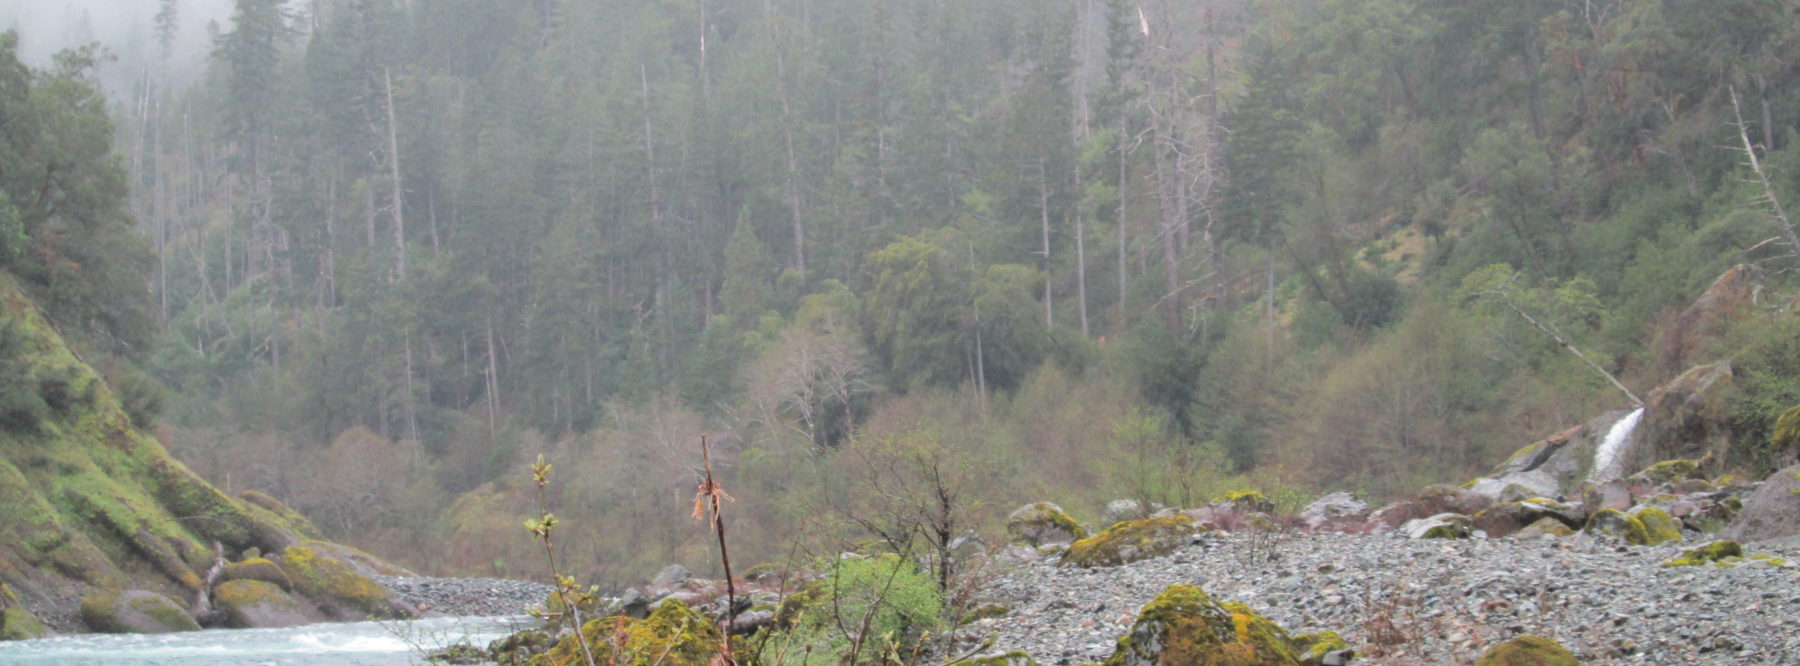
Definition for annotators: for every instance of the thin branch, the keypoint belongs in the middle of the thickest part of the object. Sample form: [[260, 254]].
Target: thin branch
[[1780, 215]]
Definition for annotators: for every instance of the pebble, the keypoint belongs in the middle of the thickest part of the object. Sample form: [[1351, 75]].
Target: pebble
[[466, 596], [1398, 600]]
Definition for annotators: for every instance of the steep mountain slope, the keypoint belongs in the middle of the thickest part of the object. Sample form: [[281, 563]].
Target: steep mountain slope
[[91, 501]]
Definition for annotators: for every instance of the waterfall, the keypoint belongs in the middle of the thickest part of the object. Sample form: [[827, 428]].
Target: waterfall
[[1607, 455]]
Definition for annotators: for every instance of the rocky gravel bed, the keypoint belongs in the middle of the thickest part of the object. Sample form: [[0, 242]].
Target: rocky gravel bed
[[1404, 601], [465, 596]]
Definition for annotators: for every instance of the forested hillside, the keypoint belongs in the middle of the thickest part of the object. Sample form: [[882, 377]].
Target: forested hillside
[[1008, 250]]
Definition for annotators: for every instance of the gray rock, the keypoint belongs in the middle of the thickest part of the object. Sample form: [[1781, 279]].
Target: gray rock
[[670, 576], [1042, 523], [1772, 512], [1440, 526], [1129, 509], [1333, 507]]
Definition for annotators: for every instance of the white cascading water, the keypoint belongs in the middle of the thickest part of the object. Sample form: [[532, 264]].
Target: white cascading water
[[1606, 456]]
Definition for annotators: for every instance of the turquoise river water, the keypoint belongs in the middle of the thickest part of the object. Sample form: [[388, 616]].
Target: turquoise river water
[[343, 643]]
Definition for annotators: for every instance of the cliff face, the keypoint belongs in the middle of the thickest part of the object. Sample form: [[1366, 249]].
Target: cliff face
[[87, 500]]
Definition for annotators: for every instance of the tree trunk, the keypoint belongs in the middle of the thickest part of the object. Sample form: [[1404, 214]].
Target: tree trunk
[[1044, 219], [1080, 256], [394, 174]]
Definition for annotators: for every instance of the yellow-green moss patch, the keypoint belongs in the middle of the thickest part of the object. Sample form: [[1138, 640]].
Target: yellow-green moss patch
[[1185, 626], [329, 580], [1014, 658], [257, 568], [1246, 501], [17, 625], [673, 635], [1707, 554], [1659, 526], [1617, 524], [1131, 541], [1528, 650]]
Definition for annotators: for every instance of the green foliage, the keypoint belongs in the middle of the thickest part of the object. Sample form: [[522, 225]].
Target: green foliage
[[887, 594]]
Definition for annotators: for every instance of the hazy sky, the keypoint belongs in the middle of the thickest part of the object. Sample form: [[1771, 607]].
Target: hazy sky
[[124, 26]]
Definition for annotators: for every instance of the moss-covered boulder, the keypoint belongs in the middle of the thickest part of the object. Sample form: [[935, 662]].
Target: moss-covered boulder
[[673, 635], [1543, 527], [1245, 501], [1042, 523], [1506, 518], [17, 624], [1688, 418], [1528, 650], [134, 612], [1659, 526], [1617, 525], [1669, 471], [1131, 541], [1314, 649], [520, 647], [254, 603], [257, 568], [1717, 551], [334, 585], [1185, 626], [1784, 443]]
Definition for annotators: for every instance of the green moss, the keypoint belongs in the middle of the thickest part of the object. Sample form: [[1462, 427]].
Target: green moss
[[17, 625], [134, 611], [257, 568], [673, 635], [1787, 431], [1038, 515], [1669, 471], [1528, 650], [1707, 554], [1246, 501], [1659, 526], [1314, 647], [1185, 626], [328, 579], [1130, 541], [1616, 523], [988, 611]]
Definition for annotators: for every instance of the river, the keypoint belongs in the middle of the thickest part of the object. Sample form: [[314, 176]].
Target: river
[[338, 643]]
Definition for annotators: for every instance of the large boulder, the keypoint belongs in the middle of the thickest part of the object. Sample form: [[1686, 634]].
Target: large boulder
[[1440, 526], [134, 612], [1133, 540], [1185, 626], [254, 603], [1687, 418], [1441, 498], [1772, 512], [1335, 508], [1618, 526], [1506, 518], [1515, 486], [1042, 523], [336, 585], [1528, 650], [257, 568]]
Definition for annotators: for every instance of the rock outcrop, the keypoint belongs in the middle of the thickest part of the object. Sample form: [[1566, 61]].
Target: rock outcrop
[[254, 603], [1132, 540], [1772, 512], [134, 612], [1041, 524]]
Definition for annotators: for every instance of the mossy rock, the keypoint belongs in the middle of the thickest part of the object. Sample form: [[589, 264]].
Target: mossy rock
[[255, 603], [520, 647], [1528, 650], [987, 612], [1185, 626], [1659, 526], [1616, 524], [1014, 658], [1717, 551], [1041, 523], [673, 635], [1669, 471], [1440, 526], [268, 508], [1546, 526], [134, 612], [1314, 648], [17, 624], [1786, 437], [257, 568], [1246, 501], [332, 583], [1131, 541]]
